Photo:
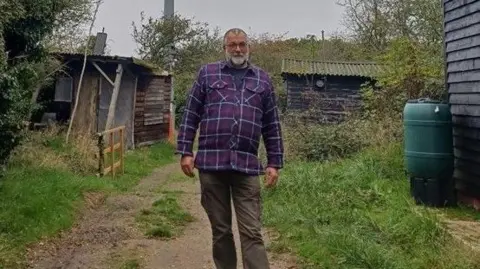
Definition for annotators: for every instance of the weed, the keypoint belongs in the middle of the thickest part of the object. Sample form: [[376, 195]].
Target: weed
[[166, 218], [161, 230], [125, 259], [131, 264]]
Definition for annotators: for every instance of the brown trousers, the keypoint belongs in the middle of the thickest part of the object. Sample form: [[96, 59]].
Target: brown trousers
[[218, 189]]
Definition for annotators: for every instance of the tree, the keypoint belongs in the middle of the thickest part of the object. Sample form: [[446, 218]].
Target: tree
[[406, 38], [193, 41], [71, 26], [194, 44], [375, 23], [24, 63], [408, 73]]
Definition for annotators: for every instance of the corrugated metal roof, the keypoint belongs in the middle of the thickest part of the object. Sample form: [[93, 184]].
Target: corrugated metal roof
[[136, 61], [304, 67]]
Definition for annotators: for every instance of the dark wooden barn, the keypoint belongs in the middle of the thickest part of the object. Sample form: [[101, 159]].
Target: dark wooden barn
[[462, 56], [142, 105], [335, 85]]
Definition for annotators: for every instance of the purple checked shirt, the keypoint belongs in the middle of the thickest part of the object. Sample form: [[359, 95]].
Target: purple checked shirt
[[231, 121]]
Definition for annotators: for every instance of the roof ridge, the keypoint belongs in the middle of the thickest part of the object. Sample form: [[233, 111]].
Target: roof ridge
[[336, 68], [154, 68], [330, 61]]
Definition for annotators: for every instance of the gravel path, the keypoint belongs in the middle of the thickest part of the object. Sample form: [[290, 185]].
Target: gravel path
[[107, 235]]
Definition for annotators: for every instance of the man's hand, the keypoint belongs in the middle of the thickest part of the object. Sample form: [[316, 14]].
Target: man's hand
[[271, 177], [186, 162]]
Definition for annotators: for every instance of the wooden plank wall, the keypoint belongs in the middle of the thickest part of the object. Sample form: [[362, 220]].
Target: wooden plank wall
[[156, 105], [85, 121], [340, 95], [152, 109], [462, 56]]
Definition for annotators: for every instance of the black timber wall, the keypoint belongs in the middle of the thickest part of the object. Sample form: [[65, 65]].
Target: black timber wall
[[462, 56], [339, 94]]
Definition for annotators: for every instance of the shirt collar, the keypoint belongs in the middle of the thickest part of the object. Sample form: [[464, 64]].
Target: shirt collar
[[224, 64]]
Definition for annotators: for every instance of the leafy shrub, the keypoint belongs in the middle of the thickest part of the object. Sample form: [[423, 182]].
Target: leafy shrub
[[313, 134], [409, 71], [24, 64], [319, 142]]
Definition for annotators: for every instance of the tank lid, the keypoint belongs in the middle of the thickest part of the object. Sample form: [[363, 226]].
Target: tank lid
[[424, 100]]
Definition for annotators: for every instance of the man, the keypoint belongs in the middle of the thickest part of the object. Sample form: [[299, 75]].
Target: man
[[232, 102]]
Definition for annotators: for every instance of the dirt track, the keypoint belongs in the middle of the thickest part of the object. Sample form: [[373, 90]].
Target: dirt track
[[107, 235]]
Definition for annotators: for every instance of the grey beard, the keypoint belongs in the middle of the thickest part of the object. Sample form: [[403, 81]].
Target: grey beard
[[242, 65]]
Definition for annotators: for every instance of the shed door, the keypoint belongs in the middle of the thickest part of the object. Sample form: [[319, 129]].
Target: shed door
[[124, 108]]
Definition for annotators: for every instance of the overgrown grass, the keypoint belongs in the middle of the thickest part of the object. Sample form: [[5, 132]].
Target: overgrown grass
[[43, 188], [319, 142], [47, 149], [166, 218], [357, 213]]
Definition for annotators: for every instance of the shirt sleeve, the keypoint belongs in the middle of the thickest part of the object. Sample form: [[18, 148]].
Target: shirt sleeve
[[271, 130], [191, 116]]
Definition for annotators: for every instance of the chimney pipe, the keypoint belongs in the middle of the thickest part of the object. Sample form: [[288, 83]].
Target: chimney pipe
[[100, 43]]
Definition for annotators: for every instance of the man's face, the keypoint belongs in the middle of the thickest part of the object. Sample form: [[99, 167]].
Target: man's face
[[236, 48]]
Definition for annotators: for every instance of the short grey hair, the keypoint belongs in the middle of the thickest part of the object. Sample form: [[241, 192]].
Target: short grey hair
[[236, 31]]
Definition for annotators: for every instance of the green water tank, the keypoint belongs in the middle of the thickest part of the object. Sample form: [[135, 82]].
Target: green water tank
[[428, 139]]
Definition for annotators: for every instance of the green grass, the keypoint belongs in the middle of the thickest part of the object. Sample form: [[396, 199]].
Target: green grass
[[357, 213], [166, 218], [131, 264], [38, 201]]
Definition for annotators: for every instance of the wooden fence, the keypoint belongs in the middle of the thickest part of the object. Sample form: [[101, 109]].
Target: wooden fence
[[110, 148]]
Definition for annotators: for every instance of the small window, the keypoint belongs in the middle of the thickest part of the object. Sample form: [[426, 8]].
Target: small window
[[64, 89]]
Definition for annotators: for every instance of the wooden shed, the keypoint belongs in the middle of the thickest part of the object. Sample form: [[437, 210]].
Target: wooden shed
[[462, 56], [337, 85], [143, 97]]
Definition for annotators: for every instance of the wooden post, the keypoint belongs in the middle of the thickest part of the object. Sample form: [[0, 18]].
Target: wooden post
[[101, 155], [113, 100], [122, 149], [112, 151], [134, 107]]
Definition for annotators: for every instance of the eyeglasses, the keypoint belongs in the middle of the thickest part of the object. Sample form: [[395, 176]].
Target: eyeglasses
[[241, 45]]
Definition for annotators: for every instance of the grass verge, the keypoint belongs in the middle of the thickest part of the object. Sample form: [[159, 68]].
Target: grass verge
[[42, 192], [166, 218], [357, 213]]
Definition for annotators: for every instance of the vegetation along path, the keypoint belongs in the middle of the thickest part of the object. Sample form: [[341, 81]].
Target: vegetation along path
[[159, 224]]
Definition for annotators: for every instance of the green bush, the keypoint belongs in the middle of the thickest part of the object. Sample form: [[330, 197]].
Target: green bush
[[409, 71], [24, 64], [319, 142]]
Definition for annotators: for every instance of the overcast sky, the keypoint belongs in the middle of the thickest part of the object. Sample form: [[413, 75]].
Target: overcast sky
[[298, 17]]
